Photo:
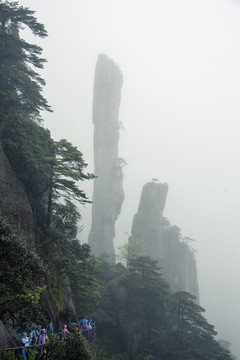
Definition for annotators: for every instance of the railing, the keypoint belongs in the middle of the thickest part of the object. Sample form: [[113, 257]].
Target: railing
[[36, 351], [22, 352]]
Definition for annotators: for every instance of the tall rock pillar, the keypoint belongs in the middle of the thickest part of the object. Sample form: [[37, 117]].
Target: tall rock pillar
[[108, 193], [164, 242], [148, 221]]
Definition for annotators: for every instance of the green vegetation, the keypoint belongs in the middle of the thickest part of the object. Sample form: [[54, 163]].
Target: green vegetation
[[74, 347], [49, 170], [139, 318], [137, 315], [131, 250], [20, 84], [21, 270]]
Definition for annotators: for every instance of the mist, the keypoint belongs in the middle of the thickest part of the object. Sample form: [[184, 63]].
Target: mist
[[180, 111]]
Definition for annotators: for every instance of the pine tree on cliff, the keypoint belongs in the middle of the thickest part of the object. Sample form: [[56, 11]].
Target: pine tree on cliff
[[20, 84], [49, 171]]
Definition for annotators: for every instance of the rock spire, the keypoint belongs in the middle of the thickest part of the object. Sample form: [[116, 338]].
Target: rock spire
[[164, 242], [108, 192]]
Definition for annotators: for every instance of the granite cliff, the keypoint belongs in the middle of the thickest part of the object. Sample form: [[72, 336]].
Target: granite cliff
[[15, 207], [14, 202]]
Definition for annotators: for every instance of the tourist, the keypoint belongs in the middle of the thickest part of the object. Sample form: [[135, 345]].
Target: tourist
[[41, 338], [65, 331], [25, 340], [38, 330], [33, 337], [50, 329], [41, 342]]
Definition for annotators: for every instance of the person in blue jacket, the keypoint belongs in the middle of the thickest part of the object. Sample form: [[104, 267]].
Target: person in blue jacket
[[25, 341], [50, 329]]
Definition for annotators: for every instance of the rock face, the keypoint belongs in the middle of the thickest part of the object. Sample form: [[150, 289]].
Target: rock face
[[108, 192], [163, 242], [14, 203], [148, 222], [15, 207], [6, 338]]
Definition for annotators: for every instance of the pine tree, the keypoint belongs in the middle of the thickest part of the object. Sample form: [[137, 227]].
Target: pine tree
[[20, 84]]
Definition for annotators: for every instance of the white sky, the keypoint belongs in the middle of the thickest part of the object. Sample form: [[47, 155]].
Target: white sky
[[180, 109]]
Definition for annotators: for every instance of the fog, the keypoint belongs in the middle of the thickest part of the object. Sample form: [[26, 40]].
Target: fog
[[180, 110]]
